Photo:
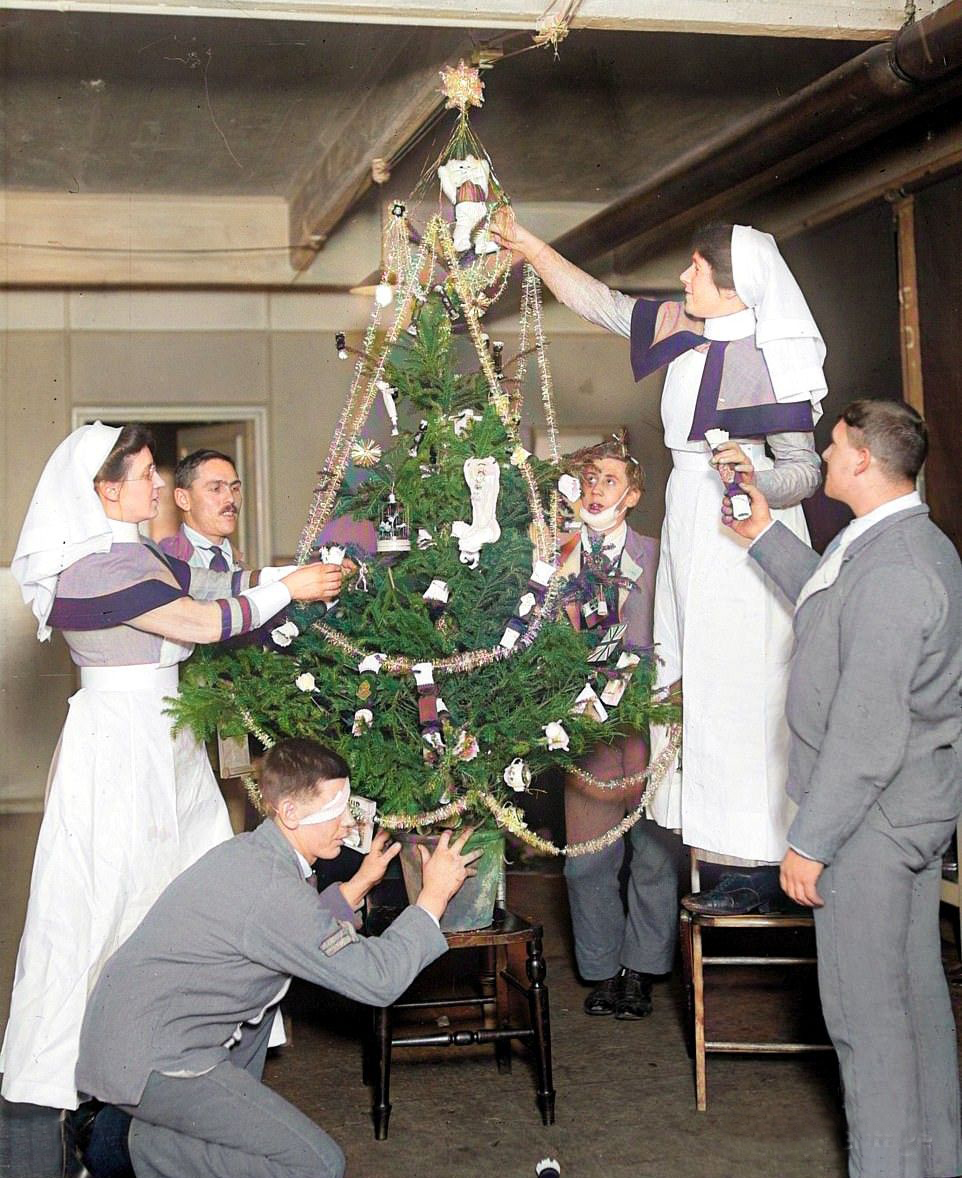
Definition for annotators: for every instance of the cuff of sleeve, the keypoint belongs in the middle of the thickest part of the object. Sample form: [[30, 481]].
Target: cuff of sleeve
[[274, 573], [267, 600], [768, 528], [804, 854], [431, 915]]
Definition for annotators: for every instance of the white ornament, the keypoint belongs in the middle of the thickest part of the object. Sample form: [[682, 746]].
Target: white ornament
[[464, 421], [363, 719], [371, 662], [519, 455], [517, 776], [387, 396], [462, 182], [588, 704], [305, 682], [526, 605], [283, 634], [384, 294], [556, 736], [425, 539], [483, 476], [570, 487], [331, 554]]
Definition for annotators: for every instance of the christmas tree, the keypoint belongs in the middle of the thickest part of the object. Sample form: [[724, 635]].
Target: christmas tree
[[448, 674]]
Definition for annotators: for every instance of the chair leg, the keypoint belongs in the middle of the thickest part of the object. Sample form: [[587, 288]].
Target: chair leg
[[382, 1076], [685, 937], [541, 1025], [698, 978], [502, 1047]]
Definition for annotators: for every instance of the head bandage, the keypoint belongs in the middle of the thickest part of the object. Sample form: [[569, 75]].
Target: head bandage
[[332, 809]]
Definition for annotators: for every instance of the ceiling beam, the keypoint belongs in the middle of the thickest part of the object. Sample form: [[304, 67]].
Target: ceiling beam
[[868, 20], [884, 86], [397, 100]]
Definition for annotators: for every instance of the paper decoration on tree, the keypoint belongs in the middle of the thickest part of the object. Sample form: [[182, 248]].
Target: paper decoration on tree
[[483, 476]]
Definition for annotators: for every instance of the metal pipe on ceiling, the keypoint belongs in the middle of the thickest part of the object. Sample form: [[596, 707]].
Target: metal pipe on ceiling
[[880, 88]]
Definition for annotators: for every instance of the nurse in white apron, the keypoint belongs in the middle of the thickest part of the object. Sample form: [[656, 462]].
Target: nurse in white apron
[[744, 355], [129, 804]]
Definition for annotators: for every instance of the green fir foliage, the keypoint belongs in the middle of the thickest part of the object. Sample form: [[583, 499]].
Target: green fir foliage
[[501, 709]]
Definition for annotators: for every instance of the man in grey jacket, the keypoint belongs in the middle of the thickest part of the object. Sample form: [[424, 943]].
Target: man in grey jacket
[[875, 718], [176, 1028]]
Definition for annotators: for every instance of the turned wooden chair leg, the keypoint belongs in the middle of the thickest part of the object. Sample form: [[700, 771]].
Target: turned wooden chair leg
[[382, 1075], [540, 1024]]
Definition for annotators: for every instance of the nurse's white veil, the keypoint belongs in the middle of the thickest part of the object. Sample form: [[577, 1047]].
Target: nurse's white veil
[[65, 520]]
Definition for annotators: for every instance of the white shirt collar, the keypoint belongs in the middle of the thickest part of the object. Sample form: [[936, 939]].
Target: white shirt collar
[[204, 543], [124, 532], [614, 542], [863, 522], [305, 867], [729, 327]]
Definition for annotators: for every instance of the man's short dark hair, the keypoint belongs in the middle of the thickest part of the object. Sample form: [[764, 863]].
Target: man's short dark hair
[[714, 242], [893, 431], [130, 441], [186, 470], [292, 769]]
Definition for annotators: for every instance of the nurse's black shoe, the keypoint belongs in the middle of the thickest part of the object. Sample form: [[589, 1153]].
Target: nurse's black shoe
[[737, 893], [96, 1134]]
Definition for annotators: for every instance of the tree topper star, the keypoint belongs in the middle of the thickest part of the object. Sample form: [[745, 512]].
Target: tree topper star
[[461, 86]]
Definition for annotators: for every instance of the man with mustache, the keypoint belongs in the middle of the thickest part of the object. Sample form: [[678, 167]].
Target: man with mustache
[[209, 493]]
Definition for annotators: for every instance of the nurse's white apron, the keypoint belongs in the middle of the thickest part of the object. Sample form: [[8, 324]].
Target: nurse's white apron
[[129, 806], [726, 632]]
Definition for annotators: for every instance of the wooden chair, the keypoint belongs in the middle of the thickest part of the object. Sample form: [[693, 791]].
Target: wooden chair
[[694, 961], [514, 968]]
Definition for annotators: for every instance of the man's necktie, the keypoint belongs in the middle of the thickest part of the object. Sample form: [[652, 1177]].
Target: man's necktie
[[218, 562]]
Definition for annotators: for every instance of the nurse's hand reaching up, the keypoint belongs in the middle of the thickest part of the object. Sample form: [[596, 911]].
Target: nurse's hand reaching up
[[757, 522]]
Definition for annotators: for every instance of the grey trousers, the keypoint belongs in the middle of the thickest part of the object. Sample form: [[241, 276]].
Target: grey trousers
[[606, 936], [227, 1124], [886, 1002]]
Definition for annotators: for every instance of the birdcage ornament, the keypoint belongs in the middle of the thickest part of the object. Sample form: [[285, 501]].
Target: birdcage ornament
[[393, 529]]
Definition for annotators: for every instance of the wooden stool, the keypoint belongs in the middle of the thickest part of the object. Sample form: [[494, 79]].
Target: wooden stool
[[502, 943], [694, 960]]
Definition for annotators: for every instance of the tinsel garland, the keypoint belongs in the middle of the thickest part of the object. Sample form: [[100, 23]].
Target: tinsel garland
[[457, 664], [508, 817]]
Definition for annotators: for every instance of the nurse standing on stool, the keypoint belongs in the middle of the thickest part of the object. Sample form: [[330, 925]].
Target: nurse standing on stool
[[743, 355]]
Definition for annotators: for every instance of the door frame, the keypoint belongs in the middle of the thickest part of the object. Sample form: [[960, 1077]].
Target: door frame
[[256, 415]]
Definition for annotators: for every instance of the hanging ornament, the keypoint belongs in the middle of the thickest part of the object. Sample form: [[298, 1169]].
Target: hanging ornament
[[452, 312], [464, 420], [388, 394], [305, 682], [425, 539], [398, 208], [436, 597], [366, 452], [364, 690], [556, 736], [393, 531], [517, 775], [340, 343], [465, 183], [519, 455], [619, 677], [461, 85], [418, 438], [363, 720], [497, 357], [608, 643], [483, 476], [588, 704], [466, 747], [284, 634]]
